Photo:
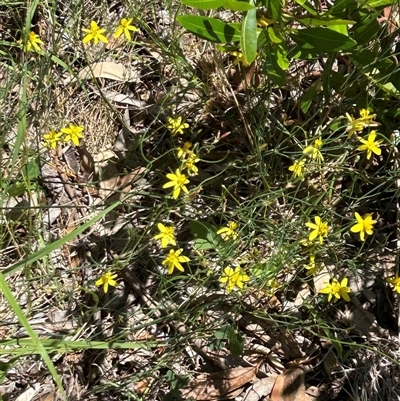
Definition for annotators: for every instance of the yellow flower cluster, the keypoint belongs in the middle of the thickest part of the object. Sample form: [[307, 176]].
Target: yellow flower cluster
[[366, 120], [319, 231], [72, 133], [174, 259], [96, 34]]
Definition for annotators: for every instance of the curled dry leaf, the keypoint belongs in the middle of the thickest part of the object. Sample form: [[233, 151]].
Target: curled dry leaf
[[220, 384], [289, 386]]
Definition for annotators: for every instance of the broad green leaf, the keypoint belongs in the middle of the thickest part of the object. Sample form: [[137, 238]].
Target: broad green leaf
[[248, 39], [326, 21], [309, 95], [211, 29], [322, 39], [16, 189], [235, 5], [274, 8], [262, 39], [31, 171], [281, 57], [308, 7], [378, 3], [224, 332], [340, 29], [236, 342], [204, 4], [339, 7], [274, 35], [274, 71], [303, 53], [205, 235], [366, 31], [367, 58]]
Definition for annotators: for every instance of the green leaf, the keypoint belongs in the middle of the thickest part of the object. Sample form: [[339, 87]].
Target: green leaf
[[327, 21], [223, 332], [205, 235], [366, 31], [274, 71], [309, 95], [322, 39], [274, 35], [248, 39], [238, 5], [378, 3], [204, 4], [211, 29], [17, 189], [236, 342], [31, 170], [281, 57], [307, 7], [339, 7], [274, 8]]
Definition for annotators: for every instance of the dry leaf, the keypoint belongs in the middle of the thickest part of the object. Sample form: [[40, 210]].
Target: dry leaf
[[260, 389], [289, 386], [116, 185], [219, 384], [104, 69]]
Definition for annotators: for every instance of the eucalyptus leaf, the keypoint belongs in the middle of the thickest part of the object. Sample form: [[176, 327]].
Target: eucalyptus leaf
[[211, 29], [248, 39], [235, 5], [204, 4], [322, 39]]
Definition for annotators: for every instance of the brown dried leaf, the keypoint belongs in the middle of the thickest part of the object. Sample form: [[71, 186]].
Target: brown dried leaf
[[119, 183], [219, 384], [289, 386]]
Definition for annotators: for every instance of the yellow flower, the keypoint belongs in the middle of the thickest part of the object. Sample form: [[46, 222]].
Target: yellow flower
[[370, 145], [176, 126], [234, 278], [174, 260], [184, 150], [336, 290], [396, 282], [94, 33], [229, 232], [189, 164], [312, 268], [166, 235], [52, 138], [33, 41], [313, 150], [367, 119], [178, 181], [297, 168], [124, 27], [73, 133], [239, 58], [364, 225], [319, 229], [105, 280], [353, 125]]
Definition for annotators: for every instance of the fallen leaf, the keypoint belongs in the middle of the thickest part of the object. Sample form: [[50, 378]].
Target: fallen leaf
[[260, 389], [219, 384], [289, 386]]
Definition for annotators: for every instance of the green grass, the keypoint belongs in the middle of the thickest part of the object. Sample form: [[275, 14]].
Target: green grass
[[141, 339]]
